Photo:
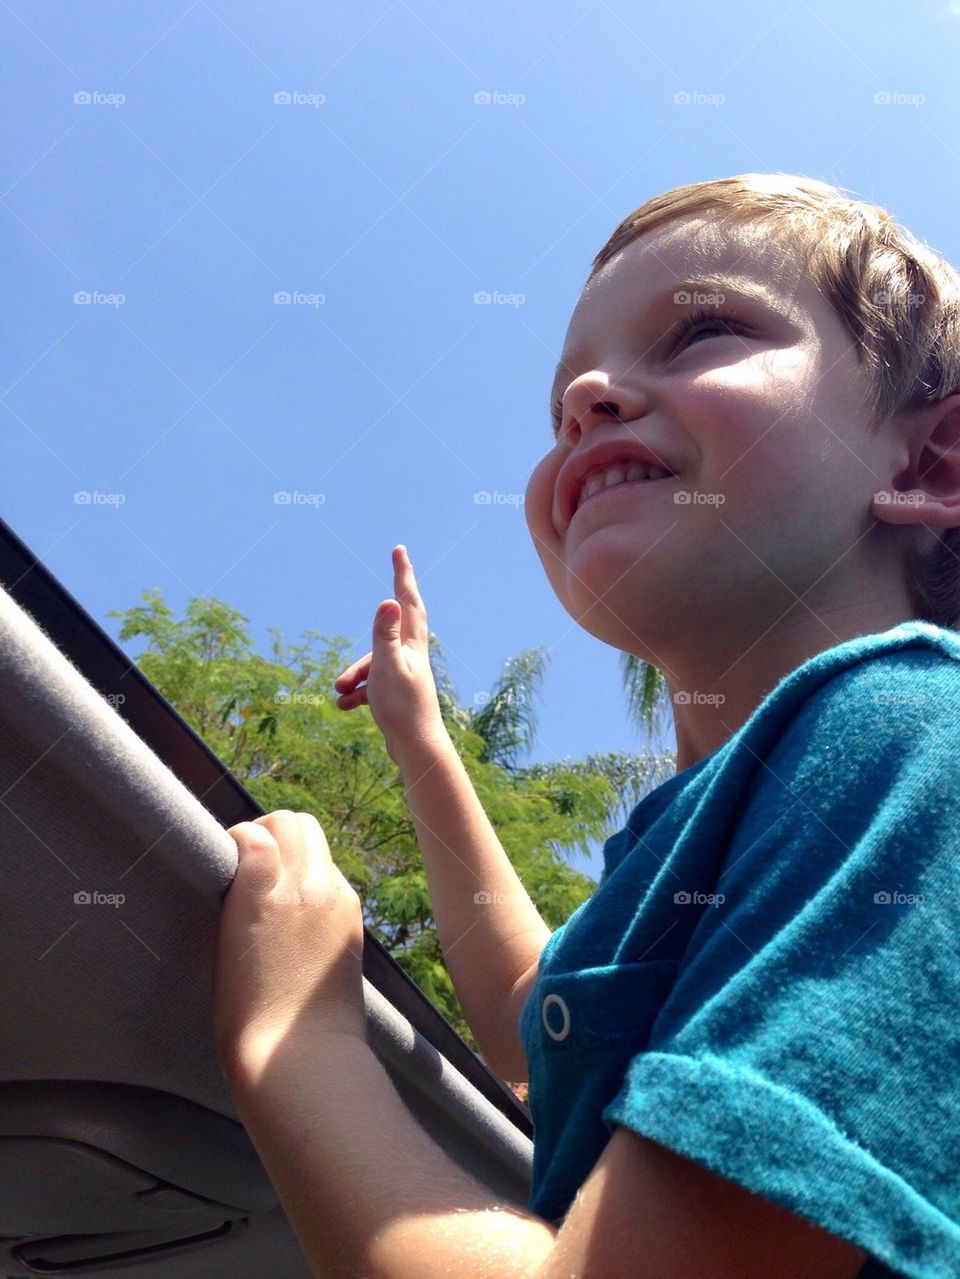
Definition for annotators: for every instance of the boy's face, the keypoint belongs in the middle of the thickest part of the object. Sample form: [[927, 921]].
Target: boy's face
[[761, 414]]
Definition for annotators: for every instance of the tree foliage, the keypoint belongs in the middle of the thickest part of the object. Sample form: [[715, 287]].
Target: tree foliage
[[273, 722], [648, 701]]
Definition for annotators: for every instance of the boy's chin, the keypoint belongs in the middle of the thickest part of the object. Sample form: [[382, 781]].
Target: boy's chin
[[609, 596], [628, 630]]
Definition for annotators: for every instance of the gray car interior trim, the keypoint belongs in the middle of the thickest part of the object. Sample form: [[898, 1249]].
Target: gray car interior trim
[[120, 1148]]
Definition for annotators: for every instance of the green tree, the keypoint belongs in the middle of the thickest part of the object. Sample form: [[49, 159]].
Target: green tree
[[648, 699], [273, 721]]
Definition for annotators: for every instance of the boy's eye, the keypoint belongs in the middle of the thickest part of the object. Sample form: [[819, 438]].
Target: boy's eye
[[555, 415], [701, 322], [694, 323]]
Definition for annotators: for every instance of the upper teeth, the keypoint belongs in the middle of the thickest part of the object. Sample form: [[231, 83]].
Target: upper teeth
[[616, 474]]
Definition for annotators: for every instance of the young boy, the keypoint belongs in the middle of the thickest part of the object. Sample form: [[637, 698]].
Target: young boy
[[743, 1050]]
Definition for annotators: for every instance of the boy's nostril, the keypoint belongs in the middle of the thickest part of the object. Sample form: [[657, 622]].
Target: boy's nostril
[[611, 407]]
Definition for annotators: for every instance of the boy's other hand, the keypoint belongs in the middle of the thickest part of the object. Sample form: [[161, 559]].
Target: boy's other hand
[[395, 679]]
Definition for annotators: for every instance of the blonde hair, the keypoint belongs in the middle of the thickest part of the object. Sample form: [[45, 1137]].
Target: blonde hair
[[899, 300]]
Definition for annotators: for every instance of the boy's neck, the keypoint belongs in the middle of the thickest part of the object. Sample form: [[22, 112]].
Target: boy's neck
[[713, 693]]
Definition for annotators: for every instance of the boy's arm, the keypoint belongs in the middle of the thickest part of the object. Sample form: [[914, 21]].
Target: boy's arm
[[489, 942], [490, 931]]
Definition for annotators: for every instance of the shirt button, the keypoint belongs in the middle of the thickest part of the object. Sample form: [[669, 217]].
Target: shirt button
[[564, 1013]]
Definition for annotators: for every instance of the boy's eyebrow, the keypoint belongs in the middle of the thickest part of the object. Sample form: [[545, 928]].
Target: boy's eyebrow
[[736, 286]]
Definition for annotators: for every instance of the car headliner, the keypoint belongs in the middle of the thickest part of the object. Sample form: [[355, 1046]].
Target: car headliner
[[120, 1148]]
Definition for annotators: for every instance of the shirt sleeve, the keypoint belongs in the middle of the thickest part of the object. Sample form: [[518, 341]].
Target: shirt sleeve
[[809, 1049]]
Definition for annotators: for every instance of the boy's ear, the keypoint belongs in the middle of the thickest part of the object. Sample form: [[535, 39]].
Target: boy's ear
[[927, 489]]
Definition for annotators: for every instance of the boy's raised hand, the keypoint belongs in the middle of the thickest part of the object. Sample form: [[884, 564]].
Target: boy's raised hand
[[399, 687]]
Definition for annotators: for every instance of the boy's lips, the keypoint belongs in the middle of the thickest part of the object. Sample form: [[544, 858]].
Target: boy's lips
[[579, 466]]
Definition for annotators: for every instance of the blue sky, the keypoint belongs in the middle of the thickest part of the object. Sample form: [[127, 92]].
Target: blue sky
[[148, 164]]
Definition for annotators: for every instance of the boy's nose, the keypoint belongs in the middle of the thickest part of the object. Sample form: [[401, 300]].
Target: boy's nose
[[592, 414], [592, 400]]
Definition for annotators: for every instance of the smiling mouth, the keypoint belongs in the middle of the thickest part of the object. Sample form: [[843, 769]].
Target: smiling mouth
[[621, 485]]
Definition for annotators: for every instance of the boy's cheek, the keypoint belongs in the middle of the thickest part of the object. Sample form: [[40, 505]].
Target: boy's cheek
[[538, 499], [538, 511]]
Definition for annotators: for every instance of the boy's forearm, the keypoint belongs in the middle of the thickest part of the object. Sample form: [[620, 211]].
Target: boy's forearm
[[490, 931], [374, 1197]]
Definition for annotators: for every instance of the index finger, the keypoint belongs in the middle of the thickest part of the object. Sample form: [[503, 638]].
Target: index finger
[[413, 612]]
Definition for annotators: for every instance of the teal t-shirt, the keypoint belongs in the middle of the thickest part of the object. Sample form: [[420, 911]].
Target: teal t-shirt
[[767, 976]]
